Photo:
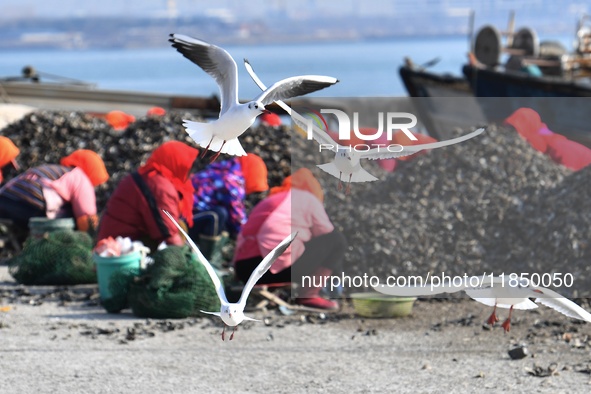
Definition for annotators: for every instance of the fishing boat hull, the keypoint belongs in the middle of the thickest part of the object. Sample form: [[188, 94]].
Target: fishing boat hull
[[562, 104], [87, 98], [443, 102]]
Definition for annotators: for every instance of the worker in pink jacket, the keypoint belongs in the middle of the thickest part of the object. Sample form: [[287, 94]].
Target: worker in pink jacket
[[317, 251], [55, 191]]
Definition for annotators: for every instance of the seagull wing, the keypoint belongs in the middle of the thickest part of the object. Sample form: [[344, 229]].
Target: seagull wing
[[263, 87], [294, 87], [384, 153], [433, 288], [563, 305], [319, 135], [488, 297], [212, 313], [264, 267], [219, 288], [250, 319], [213, 60]]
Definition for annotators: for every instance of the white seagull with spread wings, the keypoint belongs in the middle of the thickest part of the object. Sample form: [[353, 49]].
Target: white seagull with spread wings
[[232, 314], [497, 292], [347, 162], [221, 135]]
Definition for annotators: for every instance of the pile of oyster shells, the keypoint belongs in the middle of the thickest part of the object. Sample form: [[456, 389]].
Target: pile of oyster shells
[[492, 204]]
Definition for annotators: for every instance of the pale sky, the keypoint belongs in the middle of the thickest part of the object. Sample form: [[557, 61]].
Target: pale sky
[[261, 8]]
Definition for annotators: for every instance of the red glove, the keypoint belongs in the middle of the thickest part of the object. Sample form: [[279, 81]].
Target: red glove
[[87, 222]]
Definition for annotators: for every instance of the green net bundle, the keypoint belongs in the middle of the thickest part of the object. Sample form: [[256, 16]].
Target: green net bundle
[[175, 285], [62, 257]]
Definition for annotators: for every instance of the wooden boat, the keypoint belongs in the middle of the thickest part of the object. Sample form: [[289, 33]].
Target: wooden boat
[[46, 91], [442, 101], [486, 82], [542, 76]]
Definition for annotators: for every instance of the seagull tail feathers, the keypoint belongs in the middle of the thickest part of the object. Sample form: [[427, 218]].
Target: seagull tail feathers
[[362, 176], [331, 168], [233, 147], [200, 133], [203, 136]]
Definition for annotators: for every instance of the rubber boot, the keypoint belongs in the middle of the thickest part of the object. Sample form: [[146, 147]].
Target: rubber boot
[[211, 247], [310, 296]]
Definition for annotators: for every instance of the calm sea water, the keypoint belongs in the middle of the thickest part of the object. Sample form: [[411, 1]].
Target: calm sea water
[[368, 68]]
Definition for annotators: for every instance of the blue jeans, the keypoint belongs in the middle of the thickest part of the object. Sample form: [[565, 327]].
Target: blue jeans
[[209, 223], [19, 212]]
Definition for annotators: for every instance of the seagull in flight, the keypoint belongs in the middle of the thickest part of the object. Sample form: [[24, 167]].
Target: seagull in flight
[[498, 292], [232, 314], [221, 135], [347, 161], [346, 164]]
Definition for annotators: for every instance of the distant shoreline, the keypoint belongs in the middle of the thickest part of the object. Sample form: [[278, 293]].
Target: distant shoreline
[[255, 41]]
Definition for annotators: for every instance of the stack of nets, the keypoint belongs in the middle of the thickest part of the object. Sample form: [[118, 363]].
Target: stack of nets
[[175, 285], [62, 257]]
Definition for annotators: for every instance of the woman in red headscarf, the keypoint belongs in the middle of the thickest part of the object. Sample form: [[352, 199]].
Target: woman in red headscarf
[[316, 252], [135, 207], [55, 191]]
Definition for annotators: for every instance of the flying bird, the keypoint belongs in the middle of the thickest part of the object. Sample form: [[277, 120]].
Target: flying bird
[[232, 314], [498, 292], [347, 161], [221, 135]]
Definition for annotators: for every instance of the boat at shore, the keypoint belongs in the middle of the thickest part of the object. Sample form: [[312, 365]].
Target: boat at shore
[[50, 92], [45, 91], [541, 76], [442, 101]]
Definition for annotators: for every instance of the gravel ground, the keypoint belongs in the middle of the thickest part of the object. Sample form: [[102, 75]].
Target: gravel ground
[[60, 341]]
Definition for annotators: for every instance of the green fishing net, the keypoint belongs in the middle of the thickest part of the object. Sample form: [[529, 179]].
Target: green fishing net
[[62, 257], [175, 285]]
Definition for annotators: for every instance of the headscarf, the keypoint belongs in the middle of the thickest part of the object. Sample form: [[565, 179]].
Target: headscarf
[[270, 119], [8, 153], [285, 185], [302, 179], [119, 120], [89, 162], [156, 111], [254, 171], [527, 122], [173, 160]]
